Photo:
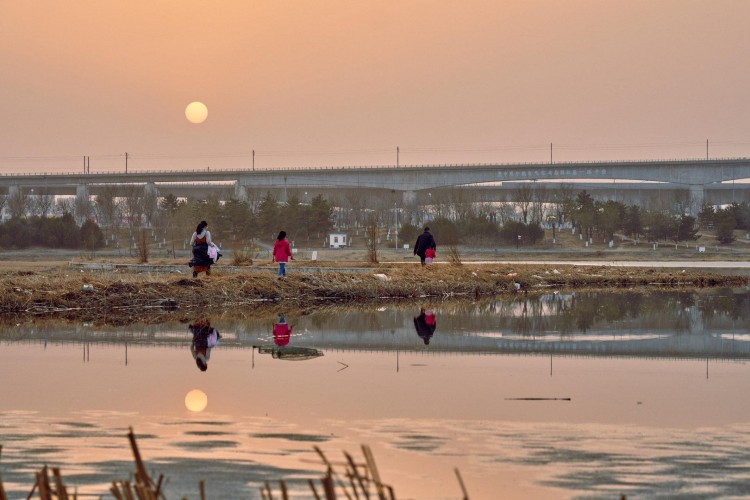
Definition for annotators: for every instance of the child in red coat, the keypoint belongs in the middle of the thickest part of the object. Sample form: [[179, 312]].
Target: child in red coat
[[282, 252], [429, 255]]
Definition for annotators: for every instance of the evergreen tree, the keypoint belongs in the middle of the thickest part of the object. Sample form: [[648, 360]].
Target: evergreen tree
[[295, 218], [169, 204], [725, 226], [585, 213], [661, 226], [707, 216], [632, 224], [686, 229], [91, 236], [268, 217], [610, 217], [321, 215], [238, 220]]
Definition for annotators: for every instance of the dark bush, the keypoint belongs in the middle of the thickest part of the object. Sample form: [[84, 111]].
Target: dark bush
[[530, 233], [53, 232], [91, 237]]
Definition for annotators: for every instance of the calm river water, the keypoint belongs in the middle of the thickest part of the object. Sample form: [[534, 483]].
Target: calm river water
[[564, 395]]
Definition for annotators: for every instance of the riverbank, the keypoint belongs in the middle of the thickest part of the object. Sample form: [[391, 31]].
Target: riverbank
[[126, 296]]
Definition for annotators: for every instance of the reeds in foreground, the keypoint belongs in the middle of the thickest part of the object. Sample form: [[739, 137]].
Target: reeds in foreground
[[356, 481], [143, 487]]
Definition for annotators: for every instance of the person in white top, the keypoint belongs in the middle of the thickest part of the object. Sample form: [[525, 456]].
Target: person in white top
[[200, 241]]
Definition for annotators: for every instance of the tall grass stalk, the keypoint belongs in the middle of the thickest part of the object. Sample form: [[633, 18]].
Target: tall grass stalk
[[454, 256]]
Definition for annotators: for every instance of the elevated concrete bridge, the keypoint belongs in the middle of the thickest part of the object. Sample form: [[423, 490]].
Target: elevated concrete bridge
[[700, 179]]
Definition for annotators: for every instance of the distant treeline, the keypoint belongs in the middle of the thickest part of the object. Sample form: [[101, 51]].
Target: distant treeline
[[476, 229], [52, 232]]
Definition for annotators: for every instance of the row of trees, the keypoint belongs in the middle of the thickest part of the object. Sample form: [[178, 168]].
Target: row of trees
[[454, 220], [241, 221], [725, 220], [594, 219], [602, 219], [54, 232], [477, 230]]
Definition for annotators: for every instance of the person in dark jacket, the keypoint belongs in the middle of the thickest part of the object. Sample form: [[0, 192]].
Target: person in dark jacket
[[424, 241]]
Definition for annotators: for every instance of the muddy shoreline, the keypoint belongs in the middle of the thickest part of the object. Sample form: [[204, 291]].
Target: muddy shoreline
[[123, 297]]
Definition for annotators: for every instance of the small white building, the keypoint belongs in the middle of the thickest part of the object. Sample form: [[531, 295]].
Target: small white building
[[337, 240]]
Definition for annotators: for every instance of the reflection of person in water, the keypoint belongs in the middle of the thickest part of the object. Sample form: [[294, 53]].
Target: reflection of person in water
[[425, 324], [282, 332], [205, 337]]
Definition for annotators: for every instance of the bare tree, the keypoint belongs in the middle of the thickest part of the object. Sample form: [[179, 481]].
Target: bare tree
[[150, 204], [461, 204], [540, 199], [505, 212], [356, 205], [67, 205], [441, 203], [18, 204], [107, 206], [133, 206], [524, 195], [42, 204]]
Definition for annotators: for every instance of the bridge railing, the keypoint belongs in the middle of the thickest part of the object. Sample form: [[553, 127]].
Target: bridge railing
[[249, 170]]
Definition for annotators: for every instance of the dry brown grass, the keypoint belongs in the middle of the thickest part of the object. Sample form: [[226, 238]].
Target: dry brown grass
[[242, 255], [117, 297]]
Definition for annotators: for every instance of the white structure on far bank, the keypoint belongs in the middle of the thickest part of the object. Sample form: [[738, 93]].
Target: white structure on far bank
[[337, 240]]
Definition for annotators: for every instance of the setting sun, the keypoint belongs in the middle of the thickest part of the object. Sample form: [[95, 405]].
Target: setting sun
[[196, 400], [196, 112]]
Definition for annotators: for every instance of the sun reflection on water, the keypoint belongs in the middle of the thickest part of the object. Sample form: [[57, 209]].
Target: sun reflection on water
[[196, 401]]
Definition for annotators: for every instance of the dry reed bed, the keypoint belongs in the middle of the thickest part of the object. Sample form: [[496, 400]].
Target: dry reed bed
[[350, 479], [124, 296]]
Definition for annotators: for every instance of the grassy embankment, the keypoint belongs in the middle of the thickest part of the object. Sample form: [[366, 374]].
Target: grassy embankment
[[32, 291]]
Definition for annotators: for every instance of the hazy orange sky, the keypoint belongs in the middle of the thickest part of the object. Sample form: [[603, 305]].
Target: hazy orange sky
[[343, 82]]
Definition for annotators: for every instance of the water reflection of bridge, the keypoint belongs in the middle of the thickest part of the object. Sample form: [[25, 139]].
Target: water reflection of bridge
[[679, 345]]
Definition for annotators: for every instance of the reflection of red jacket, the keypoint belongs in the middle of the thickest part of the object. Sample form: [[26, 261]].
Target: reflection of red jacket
[[281, 251], [281, 334], [429, 317]]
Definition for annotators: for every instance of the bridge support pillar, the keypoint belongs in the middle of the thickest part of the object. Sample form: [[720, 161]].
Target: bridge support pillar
[[82, 203], [14, 202], [697, 198], [82, 192], [240, 192], [150, 189]]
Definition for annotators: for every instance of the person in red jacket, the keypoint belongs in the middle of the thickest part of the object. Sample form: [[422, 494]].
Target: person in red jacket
[[282, 252], [282, 332]]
